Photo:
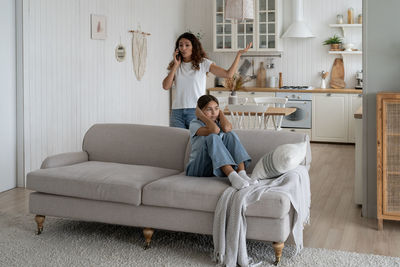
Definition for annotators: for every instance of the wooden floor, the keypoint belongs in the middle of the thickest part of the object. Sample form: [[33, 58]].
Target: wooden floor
[[336, 222]]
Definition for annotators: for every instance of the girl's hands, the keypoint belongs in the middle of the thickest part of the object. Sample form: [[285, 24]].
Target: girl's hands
[[199, 113], [246, 49], [177, 59]]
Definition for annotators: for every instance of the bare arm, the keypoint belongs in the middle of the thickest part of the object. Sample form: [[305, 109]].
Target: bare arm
[[226, 126], [167, 82], [220, 72], [210, 128]]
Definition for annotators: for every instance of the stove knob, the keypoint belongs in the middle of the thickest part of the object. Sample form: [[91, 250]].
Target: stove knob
[[298, 97], [293, 96]]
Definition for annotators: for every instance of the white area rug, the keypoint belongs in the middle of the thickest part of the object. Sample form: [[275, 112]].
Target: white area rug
[[72, 243]]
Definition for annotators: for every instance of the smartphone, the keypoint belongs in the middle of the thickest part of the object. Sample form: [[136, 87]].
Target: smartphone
[[179, 56]]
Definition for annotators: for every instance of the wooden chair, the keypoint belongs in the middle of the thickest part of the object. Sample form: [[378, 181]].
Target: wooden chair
[[247, 116], [278, 102]]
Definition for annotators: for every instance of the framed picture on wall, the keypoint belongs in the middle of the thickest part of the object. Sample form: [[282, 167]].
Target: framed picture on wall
[[98, 26]]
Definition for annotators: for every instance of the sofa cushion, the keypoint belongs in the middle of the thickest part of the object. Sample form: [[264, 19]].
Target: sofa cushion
[[202, 193], [97, 180], [150, 145]]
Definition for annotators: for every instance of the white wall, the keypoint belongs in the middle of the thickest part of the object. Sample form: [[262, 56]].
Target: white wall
[[302, 59], [7, 96], [382, 66], [72, 82]]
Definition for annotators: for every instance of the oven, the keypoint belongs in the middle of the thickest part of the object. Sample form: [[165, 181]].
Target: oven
[[301, 118]]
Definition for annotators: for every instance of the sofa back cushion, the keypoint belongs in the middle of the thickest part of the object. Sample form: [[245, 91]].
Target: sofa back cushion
[[157, 146]]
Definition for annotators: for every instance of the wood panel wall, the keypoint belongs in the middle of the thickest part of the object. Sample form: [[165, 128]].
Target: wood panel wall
[[72, 81]]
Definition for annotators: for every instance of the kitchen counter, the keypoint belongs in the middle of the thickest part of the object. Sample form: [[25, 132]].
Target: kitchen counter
[[315, 90]]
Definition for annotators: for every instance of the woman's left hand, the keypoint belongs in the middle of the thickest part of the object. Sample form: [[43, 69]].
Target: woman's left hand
[[246, 49]]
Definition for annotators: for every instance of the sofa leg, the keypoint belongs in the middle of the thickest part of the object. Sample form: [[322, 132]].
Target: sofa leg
[[148, 233], [278, 247], [39, 221]]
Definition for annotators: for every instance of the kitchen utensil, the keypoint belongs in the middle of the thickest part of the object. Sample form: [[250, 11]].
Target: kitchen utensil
[[273, 81], [261, 80], [280, 80], [359, 78], [323, 77], [253, 76], [348, 47], [337, 74], [245, 67]]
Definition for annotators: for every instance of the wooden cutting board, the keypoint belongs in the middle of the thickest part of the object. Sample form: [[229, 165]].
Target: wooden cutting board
[[261, 80], [337, 74]]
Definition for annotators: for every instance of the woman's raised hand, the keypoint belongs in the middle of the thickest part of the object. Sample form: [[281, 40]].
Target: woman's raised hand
[[177, 59], [246, 49]]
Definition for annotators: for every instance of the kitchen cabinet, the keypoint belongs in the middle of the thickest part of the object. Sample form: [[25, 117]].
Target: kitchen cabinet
[[355, 101], [264, 31], [330, 117], [388, 155]]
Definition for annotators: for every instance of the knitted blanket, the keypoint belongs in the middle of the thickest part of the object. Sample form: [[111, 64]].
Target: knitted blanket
[[229, 229]]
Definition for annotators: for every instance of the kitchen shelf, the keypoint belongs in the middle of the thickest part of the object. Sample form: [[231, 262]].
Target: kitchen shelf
[[345, 52], [345, 25]]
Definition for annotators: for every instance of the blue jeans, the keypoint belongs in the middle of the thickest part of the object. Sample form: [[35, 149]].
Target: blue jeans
[[216, 153], [182, 117]]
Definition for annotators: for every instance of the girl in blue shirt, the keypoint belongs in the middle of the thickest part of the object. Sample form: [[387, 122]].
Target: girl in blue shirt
[[216, 149]]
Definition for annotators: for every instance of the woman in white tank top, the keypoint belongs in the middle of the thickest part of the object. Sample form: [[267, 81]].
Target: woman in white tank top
[[188, 70]]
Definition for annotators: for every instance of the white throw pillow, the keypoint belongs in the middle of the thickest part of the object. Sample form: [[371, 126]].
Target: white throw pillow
[[283, 159]]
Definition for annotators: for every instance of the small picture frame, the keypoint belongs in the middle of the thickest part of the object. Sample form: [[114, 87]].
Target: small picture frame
[[98, 27]]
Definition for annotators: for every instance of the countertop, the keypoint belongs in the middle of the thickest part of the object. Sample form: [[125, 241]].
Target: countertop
[[315, 90]]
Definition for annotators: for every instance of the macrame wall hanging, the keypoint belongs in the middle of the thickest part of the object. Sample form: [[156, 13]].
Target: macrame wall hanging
[[139, 52]]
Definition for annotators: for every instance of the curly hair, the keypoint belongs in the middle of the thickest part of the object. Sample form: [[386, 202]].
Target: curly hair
[[198, 53]]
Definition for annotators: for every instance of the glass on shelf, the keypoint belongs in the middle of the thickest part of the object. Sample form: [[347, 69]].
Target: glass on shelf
[[263, 17], [350, 15], [262, 5], [228, 42], [263, 28], [271, 4], [271, 28], [339, 19]]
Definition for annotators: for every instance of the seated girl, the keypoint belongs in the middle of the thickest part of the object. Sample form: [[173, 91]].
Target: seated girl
[[216, 150]]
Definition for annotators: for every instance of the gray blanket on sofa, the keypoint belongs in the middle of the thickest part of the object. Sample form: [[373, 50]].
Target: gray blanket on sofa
[[229, 229]]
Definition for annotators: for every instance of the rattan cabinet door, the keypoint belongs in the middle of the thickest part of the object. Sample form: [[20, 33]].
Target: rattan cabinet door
[[391, 156]]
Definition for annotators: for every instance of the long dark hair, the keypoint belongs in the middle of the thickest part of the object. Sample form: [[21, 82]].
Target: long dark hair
[[198, 53], [205, 99]]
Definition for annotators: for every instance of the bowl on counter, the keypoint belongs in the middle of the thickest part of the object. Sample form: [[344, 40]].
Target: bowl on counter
[[348, 47]]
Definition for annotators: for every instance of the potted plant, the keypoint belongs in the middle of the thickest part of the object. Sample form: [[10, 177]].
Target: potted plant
[[334, 42], [234, 84]]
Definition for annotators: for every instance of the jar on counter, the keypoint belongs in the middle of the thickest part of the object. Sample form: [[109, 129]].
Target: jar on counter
[[339, 19], [359, 19], [350, 16]]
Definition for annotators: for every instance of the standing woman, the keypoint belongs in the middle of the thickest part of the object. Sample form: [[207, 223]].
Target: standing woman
[[188, 69]]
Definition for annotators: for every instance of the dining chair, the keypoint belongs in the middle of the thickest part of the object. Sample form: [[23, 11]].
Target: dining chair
[[277, 102], [247, 116]]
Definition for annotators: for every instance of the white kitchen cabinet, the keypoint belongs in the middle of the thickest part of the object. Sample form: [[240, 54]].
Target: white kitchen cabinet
[[330, 117], [264, 31], [355, 101]]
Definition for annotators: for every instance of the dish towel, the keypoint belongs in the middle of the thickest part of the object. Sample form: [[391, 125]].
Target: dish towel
[[139, 54], [239, 9], [229, 226]]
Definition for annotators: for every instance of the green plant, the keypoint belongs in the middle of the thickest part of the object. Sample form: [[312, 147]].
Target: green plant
[[198, 35], [333, 40]]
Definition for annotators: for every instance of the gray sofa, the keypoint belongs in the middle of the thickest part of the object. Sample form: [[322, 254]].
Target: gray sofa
[[133, 175]]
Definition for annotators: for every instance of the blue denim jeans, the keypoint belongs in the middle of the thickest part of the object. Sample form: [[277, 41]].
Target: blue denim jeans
[[182, 117], [216, 153]]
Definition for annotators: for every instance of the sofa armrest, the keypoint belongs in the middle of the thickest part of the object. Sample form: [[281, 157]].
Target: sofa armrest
[[64, 159]]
